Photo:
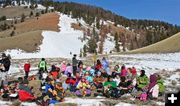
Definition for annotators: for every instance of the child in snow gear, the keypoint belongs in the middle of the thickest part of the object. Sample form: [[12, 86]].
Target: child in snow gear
[[42, 67], [26, 69], [142, 81], [74, 64]]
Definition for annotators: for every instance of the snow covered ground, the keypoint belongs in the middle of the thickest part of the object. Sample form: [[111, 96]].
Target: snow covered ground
[[56, 44], [150, 62]]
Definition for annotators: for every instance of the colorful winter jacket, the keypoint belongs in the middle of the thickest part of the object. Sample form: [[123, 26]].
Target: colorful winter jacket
[[112, 84], [161, 85], [142, 81]]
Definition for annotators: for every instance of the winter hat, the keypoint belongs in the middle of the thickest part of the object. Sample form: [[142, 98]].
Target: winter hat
[[3, 55]]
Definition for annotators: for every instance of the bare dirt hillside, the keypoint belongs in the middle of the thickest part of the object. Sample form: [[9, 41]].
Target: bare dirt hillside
[[169, 45], [28, 34]]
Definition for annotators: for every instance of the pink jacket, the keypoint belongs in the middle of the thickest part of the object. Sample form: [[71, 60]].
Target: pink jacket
[[124, 72], [63, 67]]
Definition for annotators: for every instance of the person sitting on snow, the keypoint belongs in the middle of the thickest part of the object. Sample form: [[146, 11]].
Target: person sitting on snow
[[63, 67], [69, 70], [124, 72], [156, 86], [88, 77], [142, 81], [98, 66], [160, 82], [98, 83], [83, 88], [54, 71], [109, 86], [25, 92], [105, 65], [125, 86], [117, 79]]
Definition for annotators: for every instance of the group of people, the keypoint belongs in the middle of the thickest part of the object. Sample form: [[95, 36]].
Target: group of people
[[51, 86]]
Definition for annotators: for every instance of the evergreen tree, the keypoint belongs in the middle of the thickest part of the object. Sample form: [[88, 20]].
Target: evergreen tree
[[31, 14], [81, 53], [12, 33], [92, 46], [23, 18], [95, 35], [84, 51], [116, 38], [37, 14]]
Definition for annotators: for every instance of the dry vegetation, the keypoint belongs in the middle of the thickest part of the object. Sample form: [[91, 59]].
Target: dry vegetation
[[169, 45], [28, 34], [12, 12]]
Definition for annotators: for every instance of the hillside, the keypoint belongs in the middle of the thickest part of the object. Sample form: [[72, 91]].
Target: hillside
[[28, 34], [143, 32], [169, 45], [92, 29]]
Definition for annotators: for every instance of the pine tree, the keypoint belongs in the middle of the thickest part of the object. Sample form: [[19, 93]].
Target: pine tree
[[80, 55], [95, 35], [23, 18], [124, 42], [92, 46], [116, 38], [31, 14], [37, 14], [12, 33], [84, 51]]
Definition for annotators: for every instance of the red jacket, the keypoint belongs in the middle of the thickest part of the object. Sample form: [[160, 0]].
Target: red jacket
[[27, 67], [25, 96], [133, 71], [98, 67], [54, 74]]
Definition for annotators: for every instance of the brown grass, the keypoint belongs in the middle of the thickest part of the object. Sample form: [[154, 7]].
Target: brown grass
[[11, 12], [26, 41], [28, 34], [169, 45]]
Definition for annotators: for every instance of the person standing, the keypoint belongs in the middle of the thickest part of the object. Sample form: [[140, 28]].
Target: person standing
[[4, 67], [5, 62], [42, 67], [105, 65], [74, 64], [27, 69]]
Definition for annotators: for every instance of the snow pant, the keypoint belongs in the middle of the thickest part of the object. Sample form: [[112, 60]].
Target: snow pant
[[41, 73], [74, 70], [26, 75]]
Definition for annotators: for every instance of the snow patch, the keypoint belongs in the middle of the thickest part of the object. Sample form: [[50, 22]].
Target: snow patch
[[149, 62], [84, 102]]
